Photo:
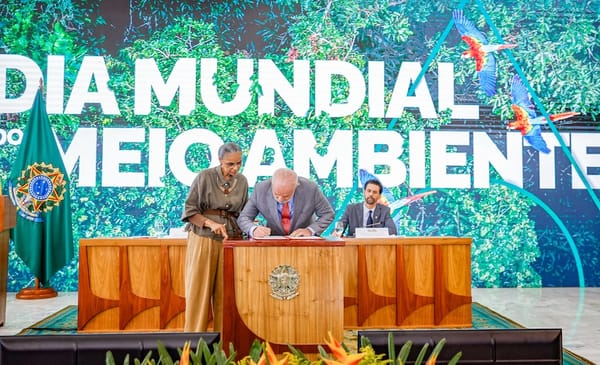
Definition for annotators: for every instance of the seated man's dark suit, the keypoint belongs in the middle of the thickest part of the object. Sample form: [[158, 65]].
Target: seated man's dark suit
[[353, 217]]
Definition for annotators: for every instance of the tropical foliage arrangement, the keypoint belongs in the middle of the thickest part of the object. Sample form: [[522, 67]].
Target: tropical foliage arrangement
[[263, 354]]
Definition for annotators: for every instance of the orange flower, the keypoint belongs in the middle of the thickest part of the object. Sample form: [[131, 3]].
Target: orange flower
[[431, 360], [269, 354], [340, 355], [185, 354]]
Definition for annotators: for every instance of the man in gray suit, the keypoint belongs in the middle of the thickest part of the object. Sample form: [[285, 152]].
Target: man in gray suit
[[369, 213], [289, 204]]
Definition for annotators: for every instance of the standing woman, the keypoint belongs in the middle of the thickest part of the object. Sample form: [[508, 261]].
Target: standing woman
[[214, 201]]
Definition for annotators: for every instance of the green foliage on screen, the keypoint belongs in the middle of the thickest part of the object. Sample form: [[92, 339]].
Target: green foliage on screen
[[558, 47]]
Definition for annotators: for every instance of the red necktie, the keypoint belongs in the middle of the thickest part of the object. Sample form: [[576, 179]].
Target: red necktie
[[285, 218]]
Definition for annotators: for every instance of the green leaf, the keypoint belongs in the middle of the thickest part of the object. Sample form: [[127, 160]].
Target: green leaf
[[110, 359], [392, 348], [455, 358], [165, 357], [404, 352], [421, 355]]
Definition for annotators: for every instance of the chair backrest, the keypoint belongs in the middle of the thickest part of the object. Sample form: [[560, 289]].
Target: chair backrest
[[478, 346], [91, 348]]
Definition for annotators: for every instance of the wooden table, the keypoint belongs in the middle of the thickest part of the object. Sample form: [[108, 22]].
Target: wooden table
[[137, 284]]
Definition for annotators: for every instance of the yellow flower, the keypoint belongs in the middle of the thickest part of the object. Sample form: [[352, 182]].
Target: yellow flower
[[340, 355], [185, 354]]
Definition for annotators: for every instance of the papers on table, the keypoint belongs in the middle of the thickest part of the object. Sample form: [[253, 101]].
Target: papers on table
[[289, 238]]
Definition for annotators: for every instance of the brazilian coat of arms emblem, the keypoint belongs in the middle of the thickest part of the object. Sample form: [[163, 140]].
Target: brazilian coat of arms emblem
[[284, 281], [40, 188]]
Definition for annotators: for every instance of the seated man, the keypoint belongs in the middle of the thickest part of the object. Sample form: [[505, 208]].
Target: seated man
[[369, 213], [289, 204]]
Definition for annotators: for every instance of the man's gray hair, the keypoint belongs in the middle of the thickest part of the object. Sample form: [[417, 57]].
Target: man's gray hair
[[283, 174]]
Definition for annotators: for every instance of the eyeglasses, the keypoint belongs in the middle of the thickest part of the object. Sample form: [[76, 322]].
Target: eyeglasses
[[231, 164]]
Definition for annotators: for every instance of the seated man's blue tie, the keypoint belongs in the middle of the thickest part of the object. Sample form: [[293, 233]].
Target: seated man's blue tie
[[370, 219]]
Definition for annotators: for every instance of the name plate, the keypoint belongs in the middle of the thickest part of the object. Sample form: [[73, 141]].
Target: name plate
[[365, 232]]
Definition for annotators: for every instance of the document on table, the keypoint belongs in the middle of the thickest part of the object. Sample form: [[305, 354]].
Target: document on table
[[289, 238]]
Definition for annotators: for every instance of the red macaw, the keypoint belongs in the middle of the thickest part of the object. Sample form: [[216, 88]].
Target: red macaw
[[480, 50], [526, 119]]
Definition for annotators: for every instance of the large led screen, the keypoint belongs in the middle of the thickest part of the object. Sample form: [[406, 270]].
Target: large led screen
[[461, 101]]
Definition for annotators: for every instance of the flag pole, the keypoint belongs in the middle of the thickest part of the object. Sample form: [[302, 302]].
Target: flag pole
[[37, 292]]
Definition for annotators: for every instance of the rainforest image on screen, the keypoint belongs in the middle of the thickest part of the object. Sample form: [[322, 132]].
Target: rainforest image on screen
[[480, 118]]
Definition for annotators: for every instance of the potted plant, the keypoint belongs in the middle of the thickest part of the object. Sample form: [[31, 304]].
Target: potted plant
[[262, 354]]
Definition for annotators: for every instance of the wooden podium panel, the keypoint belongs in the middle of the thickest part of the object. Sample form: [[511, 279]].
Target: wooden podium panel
[[8, 218], [253, 307], [131, 284], [407, 282]]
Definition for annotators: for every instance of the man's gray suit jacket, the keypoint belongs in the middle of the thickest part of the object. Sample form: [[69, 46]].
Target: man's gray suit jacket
[[311, 208]]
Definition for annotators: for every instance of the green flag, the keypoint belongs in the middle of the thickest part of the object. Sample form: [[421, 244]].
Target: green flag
[[39, 187]]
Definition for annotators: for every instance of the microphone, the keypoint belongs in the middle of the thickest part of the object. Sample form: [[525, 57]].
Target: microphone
[[373, 224]]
